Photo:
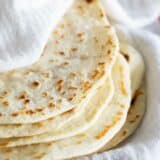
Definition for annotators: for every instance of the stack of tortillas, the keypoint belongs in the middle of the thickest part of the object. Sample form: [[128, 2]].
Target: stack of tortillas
[[84, 95]]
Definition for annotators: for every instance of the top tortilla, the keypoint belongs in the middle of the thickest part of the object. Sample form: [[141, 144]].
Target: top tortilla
[[76, 60]]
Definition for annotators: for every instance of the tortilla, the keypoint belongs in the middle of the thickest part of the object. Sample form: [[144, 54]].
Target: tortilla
[[70, 122], [111, 121], [76, 61], [88, 117], [136, 64], [137, 108], [134, 118]]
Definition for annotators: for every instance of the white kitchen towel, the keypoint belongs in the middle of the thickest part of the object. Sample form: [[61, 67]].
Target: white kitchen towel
[[133, 13], [25, 26]]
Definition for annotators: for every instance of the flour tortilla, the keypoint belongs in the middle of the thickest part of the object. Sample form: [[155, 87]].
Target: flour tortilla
[[68, 123], [79, 55], [137, 108], [134, 118], [88, 116], [77, 123], [104, 129], [136, 64]]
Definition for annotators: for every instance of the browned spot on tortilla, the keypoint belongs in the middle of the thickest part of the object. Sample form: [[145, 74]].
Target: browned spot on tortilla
[[14, 114], [44, 94], [137, 116], [121, 105], [59, 100], [4, 93], [101, 63], [90, 1], [109, 42], [135, 119], [39, 124], [63, 93], [8, 150], [65, 63], [124, 133], [35, 84], [46, 74], [97, 74], [103, 132], [70, 99], [59, 81], [59, 85], [26, 101], [72, 88], [71, 111], [51, 105], [73, 74], [126, 56], [123, 89], [50, 144], [96, 39], [87, 85], [74, 49], [18, 125], [51, 119], [132, 121], [1, 114], [136, 95], [39, 109], [109, 51], [4, 144], [101, 13], [80, 35], [61, 53], [116, 119], [5, 103], [22, 96], [30, 112]]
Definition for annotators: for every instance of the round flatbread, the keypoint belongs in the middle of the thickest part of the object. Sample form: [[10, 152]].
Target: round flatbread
[[68, 123], [137, 108], [136, 64], [76, 61], [134, 118], [92, 139]]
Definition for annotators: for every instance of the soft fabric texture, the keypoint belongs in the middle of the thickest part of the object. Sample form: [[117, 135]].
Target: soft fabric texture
[[24, 29]]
